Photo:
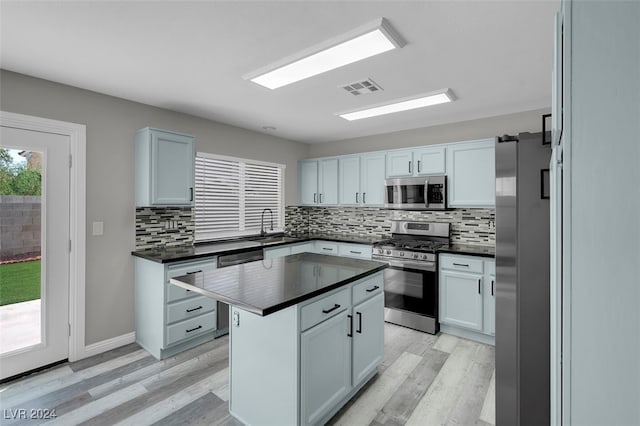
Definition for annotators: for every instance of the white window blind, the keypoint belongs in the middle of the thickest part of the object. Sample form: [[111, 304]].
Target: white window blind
[[232, 193]]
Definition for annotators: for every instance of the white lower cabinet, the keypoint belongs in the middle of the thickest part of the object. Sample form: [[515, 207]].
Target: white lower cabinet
[[170, 319], [467, 296], [306, 361], [325, 353]]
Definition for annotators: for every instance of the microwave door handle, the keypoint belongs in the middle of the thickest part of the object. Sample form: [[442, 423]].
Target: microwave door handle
[[426, 192]]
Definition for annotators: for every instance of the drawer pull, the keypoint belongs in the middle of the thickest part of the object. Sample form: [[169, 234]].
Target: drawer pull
[[460, 264], [194, 329], [327, 248], [194, 309], [355, 252], [194, 272], [326, 311], [374, 288], [359, 329], [350, 333]]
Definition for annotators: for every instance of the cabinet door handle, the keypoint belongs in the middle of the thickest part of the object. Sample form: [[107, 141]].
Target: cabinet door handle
[[364, 200], [194, 272], [359, 329], [315, 197], [461, 264], [326, 311], [357, 198], [194, 309], [479, 283], [374, 288], [492, 283], [327, 248], [409, 167], [355, 252], [350, 333], [418, 166], [190, 194], [194, 329]]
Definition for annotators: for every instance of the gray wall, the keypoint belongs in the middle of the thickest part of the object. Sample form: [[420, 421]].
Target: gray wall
[[530, 121], [604, 160], [111, 123]]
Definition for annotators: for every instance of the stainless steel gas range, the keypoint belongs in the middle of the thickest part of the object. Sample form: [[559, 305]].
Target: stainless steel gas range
[[411, 280]]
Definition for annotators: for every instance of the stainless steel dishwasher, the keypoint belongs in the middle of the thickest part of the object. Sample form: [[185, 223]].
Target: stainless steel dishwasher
[[230, 260]]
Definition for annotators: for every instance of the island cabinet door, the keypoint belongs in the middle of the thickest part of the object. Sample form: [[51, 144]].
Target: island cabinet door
[[368, 337], [325, 367]]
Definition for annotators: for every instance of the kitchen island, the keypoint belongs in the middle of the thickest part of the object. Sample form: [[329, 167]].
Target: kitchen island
[[306, 333]]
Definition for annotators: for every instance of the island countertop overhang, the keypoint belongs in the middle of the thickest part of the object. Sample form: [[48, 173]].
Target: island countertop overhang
[[268, 286]]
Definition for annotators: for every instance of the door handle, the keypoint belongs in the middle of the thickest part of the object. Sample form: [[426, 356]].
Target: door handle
[[409, 167], [359, 329], [350, 332], [492, 283], [418, 166], [479, 283], [357, 198], [190, 194], [315, 196], [194, 309], [364, 200], [194, 329], [374, 288], [461, 264], [320, 197]]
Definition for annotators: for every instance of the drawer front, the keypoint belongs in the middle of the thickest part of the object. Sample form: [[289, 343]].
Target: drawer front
[[320, 310], [326, 248], [175, 270], [191, 327], [461, 263], [189, 308], [367, 288], [301, 248], [176, 293], [362, 251], [490, 267]]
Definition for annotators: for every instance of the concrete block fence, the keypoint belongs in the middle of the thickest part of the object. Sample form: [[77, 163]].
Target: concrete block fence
[[20, 226]]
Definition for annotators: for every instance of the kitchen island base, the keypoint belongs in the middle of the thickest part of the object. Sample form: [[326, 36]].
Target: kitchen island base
[[300, 365]]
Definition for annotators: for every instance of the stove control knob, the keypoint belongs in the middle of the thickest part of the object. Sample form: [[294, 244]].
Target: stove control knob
[[379, 251], [401, 253], [388, 251], [424, 257], [416, 256]]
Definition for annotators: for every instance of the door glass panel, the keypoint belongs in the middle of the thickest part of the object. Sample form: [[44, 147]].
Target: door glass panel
[[20, 248]]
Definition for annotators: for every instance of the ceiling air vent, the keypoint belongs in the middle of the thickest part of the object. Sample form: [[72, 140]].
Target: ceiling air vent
[[362, 87]]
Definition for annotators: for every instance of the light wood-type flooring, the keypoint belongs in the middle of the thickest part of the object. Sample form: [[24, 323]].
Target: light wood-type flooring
[[424, 380]]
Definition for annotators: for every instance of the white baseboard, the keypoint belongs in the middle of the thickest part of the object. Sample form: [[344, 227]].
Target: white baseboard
[[107, 345]]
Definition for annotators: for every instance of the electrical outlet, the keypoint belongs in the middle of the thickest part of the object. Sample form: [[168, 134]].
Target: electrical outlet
[[236, 319], [492, 225]]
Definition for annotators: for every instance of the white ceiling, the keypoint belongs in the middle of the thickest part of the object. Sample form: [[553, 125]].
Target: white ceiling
[[496, 56]]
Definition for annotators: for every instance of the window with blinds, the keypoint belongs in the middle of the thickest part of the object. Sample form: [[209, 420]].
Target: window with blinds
[[231, 194]]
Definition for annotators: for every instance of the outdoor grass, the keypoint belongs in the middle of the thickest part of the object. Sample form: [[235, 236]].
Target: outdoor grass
[[19, 282]]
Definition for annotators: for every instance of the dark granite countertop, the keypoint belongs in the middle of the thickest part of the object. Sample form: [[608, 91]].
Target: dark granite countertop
[[468, 249], [180, 253], [267, 286]]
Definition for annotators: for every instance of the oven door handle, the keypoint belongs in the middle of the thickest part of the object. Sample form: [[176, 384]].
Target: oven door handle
[[424, 266], [426, 192]]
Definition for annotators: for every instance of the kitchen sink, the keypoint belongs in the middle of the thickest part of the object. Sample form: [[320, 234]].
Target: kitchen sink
[[274, 239]]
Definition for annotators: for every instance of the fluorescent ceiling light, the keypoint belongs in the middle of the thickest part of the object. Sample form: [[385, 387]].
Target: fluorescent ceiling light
[[366, 41], [428, 99]]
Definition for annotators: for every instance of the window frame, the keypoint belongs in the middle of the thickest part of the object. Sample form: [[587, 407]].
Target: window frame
[[278, 219]]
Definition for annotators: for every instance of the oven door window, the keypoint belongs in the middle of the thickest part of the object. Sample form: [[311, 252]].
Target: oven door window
[[406, 194], [410, 290]]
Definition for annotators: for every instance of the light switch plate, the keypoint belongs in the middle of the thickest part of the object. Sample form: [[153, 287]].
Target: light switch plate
[[98, 228]]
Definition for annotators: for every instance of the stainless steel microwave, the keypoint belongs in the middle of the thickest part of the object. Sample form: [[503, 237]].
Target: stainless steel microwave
[[423, 193]]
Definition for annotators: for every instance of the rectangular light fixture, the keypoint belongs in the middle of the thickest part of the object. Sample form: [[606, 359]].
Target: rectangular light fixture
[[368, 40], [433, 98]]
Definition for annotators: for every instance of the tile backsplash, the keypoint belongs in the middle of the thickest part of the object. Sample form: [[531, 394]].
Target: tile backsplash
[[164, 226], [468, 226], [174, 226]]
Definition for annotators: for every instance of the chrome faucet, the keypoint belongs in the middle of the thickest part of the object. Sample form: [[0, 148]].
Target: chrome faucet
[[262, 231]]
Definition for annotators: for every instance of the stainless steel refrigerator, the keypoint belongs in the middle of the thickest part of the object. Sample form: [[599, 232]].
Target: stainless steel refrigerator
[[522, 280]]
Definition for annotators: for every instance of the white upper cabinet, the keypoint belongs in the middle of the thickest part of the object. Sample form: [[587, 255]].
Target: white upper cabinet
[[400, 163], [471, 170], [429, 161], [328, 181], [308, 181], [349, 180], [416, 162], [164, 164], [372, 175]]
